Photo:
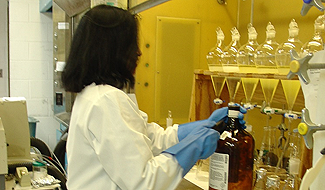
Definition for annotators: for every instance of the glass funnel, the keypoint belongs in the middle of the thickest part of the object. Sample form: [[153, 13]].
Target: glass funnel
[[245, 60], [291, 89], [249, 86], [218, 83], [269, 87], [233, 84]]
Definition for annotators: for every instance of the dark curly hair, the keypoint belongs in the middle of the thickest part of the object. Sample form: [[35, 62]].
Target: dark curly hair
[[104, 50]]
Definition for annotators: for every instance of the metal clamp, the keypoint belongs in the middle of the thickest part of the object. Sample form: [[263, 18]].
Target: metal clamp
[[282, 139], [307, 128], [299, 66]]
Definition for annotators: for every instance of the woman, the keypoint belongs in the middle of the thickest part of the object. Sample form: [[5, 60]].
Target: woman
[[110, 144]]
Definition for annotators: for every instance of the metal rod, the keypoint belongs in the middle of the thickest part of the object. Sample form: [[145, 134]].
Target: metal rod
[[238, 7], [146, 5], [252, 12]]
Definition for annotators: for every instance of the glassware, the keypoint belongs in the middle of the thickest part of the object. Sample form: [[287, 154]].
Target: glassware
[[282, 55], [39, 170], [260, 179], [233, 84], [272, 182], [264, 56], [267, 153], [231, 166], [292, 183], [215, 55], [245, 59], [218, 84], [283, 59], [214, 58], [245, 54], [169, 119], [316, 42], [202, 171], [229, 63]]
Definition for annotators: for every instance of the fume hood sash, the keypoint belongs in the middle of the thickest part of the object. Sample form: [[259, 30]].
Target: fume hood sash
[[73, 7], [145, 5]]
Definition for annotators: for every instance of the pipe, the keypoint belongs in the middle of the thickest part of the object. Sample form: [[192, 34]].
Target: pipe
[[252, 12]]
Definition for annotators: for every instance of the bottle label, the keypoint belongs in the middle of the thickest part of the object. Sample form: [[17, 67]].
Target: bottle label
[[224, 135], [219, 169], [233, 113]]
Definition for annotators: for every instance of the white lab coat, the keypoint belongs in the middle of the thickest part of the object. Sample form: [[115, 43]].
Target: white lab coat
[[111, 146]]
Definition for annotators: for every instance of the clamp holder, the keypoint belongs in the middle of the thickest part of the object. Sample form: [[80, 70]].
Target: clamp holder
[[307, 128], [299, 66]]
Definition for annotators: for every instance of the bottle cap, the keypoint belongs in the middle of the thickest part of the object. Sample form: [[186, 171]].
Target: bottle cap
[[233, 111]]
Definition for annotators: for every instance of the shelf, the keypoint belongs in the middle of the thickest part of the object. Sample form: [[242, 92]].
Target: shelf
[[203, 80], [245, 75]]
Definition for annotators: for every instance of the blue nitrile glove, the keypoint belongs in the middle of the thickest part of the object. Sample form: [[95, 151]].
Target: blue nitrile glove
[[216, 116], [200, 143]]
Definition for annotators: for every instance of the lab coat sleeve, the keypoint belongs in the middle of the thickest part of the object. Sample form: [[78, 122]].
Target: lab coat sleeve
[[125, 144], [161, 138]]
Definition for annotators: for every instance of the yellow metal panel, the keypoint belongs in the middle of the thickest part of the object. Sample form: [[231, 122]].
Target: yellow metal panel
[[211, 14], [177, 50]]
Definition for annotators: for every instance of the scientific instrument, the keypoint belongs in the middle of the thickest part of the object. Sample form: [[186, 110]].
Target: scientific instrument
[[307, 128], [265, 63], [215, 55], [214, 58], [316, 42], [245, 54], [282, 54], [229, 63], [245, 60]]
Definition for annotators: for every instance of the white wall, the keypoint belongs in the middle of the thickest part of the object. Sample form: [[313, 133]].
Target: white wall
[[3, 49], [31, 70]]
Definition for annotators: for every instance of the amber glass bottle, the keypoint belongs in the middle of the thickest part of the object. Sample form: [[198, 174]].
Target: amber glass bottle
[[231, 166]]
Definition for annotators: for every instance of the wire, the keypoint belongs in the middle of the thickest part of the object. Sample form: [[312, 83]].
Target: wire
[[58, 163], [56, 160]]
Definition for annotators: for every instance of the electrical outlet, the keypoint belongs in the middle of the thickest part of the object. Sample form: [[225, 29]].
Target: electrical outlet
[[59, 98]]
